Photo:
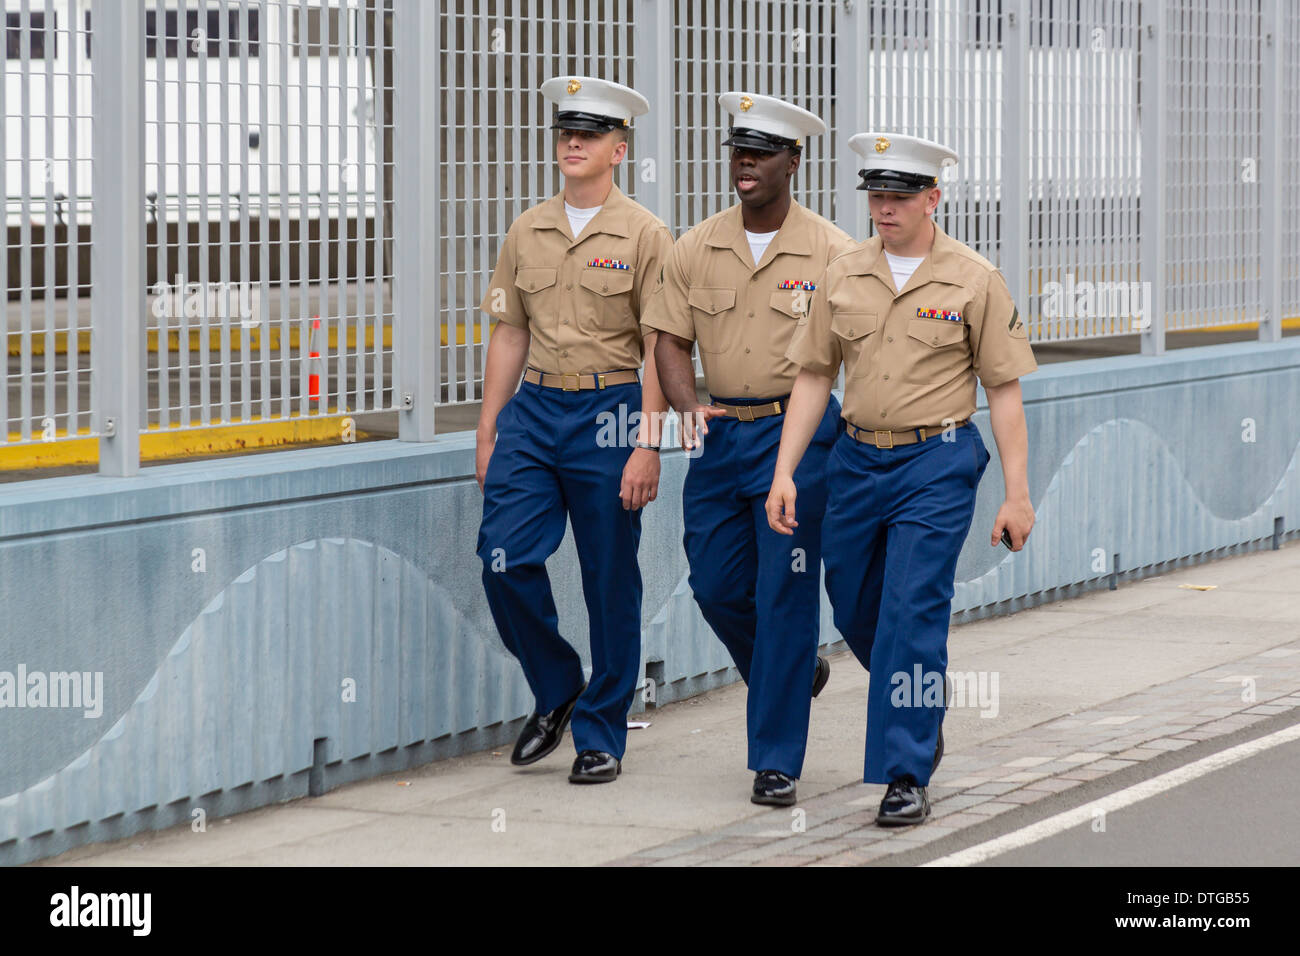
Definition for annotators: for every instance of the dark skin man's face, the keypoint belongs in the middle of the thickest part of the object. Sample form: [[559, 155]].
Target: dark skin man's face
[[759, 177]]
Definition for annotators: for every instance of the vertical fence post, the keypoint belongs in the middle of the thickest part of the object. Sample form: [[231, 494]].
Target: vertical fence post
[[1270, 182], [1155, 51], [417, 293], [852, 50], [117, 305], [652, 23], [1014, 200]]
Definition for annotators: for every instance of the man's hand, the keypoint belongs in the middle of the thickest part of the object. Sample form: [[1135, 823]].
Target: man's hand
[[780, 505], [693, 437], [483, 446], [1017, 517], [640, 479]]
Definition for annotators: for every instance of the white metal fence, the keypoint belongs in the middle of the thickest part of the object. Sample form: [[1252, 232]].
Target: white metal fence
[[1282, 200], [1130, 164]]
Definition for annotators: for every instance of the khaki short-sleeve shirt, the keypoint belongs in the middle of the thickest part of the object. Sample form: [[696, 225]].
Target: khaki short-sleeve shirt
[[580, 300], [911, 357], [743, 315]]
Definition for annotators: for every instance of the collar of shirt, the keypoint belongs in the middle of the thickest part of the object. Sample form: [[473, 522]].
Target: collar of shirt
[[943, 264], [612, 218], [793, 237]]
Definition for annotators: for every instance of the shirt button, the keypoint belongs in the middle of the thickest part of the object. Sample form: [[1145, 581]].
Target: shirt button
[[935, 340], [747, 388], [850, 332], [565, 353], [886, 376], [751, 314], [566, 322], [569, 285], [605, 288], [889, 338], [746, 351], [882, 414]]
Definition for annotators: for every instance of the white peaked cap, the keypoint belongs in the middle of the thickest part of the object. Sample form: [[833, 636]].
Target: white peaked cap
[[894, 153], [771, 117], [595, 97]]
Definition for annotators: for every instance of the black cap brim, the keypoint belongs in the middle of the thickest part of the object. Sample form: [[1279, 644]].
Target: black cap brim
[[573, 119], [742, 138], [893, 181]]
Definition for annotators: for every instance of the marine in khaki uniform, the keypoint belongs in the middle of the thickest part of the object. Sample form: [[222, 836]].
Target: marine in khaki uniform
[[914, 317], [736, 285], [568, 290]]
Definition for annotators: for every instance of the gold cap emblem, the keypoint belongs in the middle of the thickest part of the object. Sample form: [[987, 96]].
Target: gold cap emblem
[[882, 144], [745, 104], [573, 87]]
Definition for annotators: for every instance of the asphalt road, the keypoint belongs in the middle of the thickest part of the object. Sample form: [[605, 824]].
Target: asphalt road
[[1244, 814]]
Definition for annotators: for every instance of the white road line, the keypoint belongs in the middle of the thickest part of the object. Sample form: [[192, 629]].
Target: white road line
[[1115, 801]]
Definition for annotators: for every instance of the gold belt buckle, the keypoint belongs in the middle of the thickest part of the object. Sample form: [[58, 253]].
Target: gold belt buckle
[[600, 380], [564, 381], [888, 434], [742, 411]]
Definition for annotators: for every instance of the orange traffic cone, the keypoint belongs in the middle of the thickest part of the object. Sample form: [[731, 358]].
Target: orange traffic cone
[[313, 378]]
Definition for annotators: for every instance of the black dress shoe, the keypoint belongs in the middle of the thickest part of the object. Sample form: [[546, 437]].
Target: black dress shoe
[[595, 766], [938, 752], [542, 733], [905, 803], [774, 788], [821, 675]]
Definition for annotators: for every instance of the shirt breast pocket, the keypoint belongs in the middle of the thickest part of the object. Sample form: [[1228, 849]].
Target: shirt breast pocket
[[607, 302], [791, 302], [938, 350], [536, 286], [714, 314], [856, 332]]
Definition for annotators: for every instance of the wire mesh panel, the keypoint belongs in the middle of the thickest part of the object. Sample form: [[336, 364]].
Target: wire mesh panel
[[267, 141], [934, 71], [269, 188], [45, 152], [497, 152], [777, 48], [1213, 145], [1083, 255], [1289, 180]]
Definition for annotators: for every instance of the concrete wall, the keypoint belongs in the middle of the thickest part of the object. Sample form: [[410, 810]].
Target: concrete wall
[[227, 604]]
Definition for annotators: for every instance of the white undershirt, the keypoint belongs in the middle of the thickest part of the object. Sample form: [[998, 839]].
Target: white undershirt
[[578, 218], [902, 267], [758, 243]]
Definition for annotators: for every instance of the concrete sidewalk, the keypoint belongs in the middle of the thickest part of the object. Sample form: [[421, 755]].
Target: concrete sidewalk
[[1086, 687]]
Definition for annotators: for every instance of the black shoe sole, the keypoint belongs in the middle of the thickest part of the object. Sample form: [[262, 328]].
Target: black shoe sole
[[774, 801], [938, 752], [901, 821], [595, 778], [559, 735], [822, 676]]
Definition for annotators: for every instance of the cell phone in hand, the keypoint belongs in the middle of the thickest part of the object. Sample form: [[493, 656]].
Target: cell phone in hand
[[1006, 538]]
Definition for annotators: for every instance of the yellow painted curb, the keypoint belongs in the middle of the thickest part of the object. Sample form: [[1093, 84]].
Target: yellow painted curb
[[235, 334], [1292, 322], [159, 444]]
